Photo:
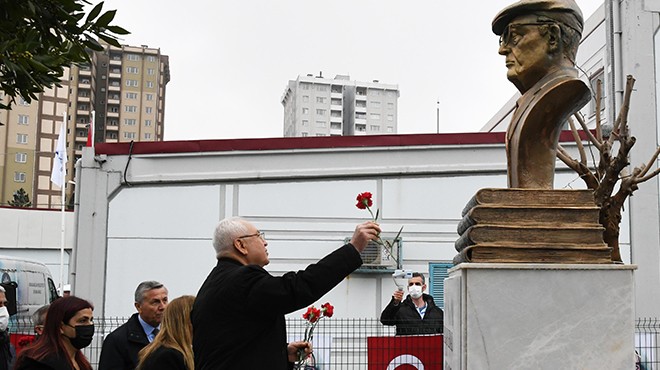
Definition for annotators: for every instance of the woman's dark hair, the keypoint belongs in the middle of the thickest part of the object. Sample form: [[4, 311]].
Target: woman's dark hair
[[51, 343]]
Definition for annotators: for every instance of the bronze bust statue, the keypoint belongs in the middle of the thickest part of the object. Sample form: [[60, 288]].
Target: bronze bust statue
[[539, 39]]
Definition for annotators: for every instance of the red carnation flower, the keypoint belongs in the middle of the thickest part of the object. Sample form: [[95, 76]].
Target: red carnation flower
[[328, 309], [364, 200]]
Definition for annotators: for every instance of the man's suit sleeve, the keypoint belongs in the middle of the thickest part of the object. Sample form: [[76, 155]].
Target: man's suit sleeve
[[388, 316], [295, 290], [111, 358]]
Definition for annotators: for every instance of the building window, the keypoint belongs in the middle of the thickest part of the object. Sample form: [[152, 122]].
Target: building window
[[129, 135], [390, 117], [130, 121], [390, 105], [305, 122], [130, 108], [305, 111], [133, 57], [23, 119], [322, 87], [374, 104], [21, 138], [320, 112], [133, 83], [303, 134], [437, 274], [151, 71], [320, 134], [148, 110], [390, 129], [19, 176], [335, 101], [147, 135], [320, 123], [374, 128], [23, 102], [131, 95], [320, 99], [133, 70], [150, 84], [361, 103], [21, 157], [304, 86], [151, 58], [305, 98], [374, 116], [147, 122], [150, 96]]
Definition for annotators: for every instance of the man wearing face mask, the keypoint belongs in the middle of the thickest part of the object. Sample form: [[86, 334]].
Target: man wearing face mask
[[417, 314]]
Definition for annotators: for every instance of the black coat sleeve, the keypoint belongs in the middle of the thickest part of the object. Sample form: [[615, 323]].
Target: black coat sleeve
[[388, 316], [111, 353], [295, 290]]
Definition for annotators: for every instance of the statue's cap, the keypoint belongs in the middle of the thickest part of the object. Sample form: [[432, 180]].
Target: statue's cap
[[563, 11]]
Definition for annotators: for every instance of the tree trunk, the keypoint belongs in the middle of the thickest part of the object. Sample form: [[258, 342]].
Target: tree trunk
[[610, 218]]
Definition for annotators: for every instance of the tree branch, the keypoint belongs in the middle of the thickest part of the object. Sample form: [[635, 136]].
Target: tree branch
[[578, 141], [597, 143]]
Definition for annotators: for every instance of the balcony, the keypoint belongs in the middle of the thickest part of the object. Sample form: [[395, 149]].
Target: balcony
[[85, 72], [115, 62], [113, 101], [114, 75], [112, 114], [336, 95], [83, 99], [114, 88]]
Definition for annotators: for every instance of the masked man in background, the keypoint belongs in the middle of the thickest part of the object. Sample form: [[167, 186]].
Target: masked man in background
[[417, 314]]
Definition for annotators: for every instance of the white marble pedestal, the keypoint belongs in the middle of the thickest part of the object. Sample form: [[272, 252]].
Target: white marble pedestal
[[539, 316]]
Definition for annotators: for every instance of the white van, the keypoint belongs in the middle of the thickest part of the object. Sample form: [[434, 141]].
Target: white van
[[32, 281]]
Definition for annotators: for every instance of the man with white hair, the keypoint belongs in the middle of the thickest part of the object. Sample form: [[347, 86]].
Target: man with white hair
[[238, 315]]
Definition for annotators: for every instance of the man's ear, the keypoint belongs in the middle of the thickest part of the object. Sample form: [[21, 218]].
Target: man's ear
[[240, 247]]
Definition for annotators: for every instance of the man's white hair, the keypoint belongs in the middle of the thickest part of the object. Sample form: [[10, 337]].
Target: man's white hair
[[226, 232]]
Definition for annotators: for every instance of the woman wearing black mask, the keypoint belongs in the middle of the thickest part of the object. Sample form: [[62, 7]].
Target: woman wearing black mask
[[67, 330]]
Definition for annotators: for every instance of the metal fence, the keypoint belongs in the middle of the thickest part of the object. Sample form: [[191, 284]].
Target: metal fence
[[342, 343]]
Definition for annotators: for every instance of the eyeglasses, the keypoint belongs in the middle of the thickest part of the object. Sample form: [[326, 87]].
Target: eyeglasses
[[505, 37], [260, 234]]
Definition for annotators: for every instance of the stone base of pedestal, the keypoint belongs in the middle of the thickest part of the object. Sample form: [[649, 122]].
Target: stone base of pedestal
[[539, 316]]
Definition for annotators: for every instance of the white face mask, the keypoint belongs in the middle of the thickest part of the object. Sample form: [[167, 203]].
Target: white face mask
[[415, 291], [4, 318]]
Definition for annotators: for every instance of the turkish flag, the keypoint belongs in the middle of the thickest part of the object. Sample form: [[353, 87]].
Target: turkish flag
[[414, 352]]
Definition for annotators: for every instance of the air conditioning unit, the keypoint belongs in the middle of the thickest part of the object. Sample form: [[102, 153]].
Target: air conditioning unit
[[381, 258]]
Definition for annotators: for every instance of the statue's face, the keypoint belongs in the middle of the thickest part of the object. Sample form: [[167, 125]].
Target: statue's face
[[527, 51]]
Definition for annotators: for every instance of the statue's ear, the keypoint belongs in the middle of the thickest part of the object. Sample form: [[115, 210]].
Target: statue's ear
[[554, 37]]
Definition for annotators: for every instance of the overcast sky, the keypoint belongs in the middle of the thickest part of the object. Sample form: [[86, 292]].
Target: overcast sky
[[230, 61]]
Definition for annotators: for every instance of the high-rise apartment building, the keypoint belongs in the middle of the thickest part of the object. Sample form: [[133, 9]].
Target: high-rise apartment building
[[318, 106], [125, 87]]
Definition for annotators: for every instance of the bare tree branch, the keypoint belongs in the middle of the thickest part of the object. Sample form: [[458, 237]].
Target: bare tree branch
[[598, 144], [654, 157], [599, 95], [578, 141]]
